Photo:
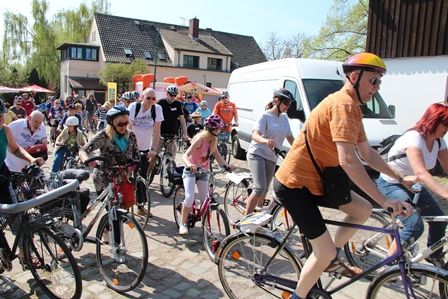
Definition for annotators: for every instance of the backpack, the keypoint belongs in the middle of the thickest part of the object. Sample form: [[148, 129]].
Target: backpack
[[387, 144], [138, 106]]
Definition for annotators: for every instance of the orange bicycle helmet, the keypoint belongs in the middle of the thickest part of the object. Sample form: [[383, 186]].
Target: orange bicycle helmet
[[364, 61]]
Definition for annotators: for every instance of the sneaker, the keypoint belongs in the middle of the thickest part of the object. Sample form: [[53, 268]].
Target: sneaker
[[143, 212], [183, 229], [343, 268]]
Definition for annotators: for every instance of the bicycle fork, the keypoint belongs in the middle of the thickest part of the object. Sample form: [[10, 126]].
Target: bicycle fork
[[117, 244]]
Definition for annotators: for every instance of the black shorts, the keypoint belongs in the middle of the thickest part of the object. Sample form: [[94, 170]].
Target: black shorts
[[304, 208]]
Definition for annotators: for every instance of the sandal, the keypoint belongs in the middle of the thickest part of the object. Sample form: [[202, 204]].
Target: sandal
[[35, 262]]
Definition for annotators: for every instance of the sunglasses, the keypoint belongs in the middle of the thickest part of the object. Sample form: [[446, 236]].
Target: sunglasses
[[130, 101], [224, 98], [172, 95], [287, 103], [19, 104], [123, 124], [56, 103], [375, 81], [445, 123], [149, 98]]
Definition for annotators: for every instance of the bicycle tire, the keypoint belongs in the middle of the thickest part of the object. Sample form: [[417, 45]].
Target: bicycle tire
[[58, 274], [143, 197], [215, 227], [235, 200], [124, 268], [244, 255], [166, 185], [281, 223], [155, 169], [359, 248], [179, 196], [426, 282]]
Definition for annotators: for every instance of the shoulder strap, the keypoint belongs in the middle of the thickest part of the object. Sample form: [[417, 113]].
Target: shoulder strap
[[153, 112], [319, 171], [138, 106]]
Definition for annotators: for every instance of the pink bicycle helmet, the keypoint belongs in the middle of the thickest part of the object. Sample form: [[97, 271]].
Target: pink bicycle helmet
[[213, 122]]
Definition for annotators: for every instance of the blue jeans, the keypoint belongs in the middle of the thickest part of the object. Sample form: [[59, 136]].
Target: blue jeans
[[59, 158], [414, 225]]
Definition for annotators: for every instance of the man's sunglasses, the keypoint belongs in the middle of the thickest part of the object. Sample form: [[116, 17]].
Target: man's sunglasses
[[123, 124], [375, 81], [172, 95], [151, 98]]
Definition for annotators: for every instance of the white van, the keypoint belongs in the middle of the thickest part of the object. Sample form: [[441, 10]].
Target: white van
[[310, 81]]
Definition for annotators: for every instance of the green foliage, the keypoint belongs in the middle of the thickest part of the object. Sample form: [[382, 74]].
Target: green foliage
[[344, 32], [122, 73], [35, 46]]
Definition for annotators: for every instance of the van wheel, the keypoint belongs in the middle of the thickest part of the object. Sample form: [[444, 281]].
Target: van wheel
[[237, 151]]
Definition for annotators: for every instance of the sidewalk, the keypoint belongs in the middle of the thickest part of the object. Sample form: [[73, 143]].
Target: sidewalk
[[178, 265]]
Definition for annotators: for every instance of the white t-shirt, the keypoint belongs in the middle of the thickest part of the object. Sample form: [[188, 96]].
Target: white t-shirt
[[272, 127], [414, 139], [23, 138], [144, 124]]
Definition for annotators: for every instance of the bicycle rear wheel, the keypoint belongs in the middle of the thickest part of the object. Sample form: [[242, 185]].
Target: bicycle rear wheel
[[425, 283], [215, 227], [57, 272], [242, 260], [366, 248], [166, 184], [235, 200], [143, 197], [155, 169], [124, 263]]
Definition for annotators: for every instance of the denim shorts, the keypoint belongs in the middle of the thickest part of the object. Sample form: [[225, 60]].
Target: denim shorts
[[200, 176]]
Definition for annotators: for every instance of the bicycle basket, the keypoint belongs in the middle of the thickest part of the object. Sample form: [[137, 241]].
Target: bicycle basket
[[123, 190]]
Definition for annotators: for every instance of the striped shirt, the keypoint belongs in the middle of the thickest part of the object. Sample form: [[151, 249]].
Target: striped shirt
[[338, 118], [101, 113]]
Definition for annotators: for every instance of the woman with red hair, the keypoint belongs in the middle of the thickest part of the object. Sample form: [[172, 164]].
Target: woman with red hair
[[414, 153]]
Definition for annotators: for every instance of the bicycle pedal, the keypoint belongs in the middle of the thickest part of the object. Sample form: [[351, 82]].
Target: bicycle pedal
[[335, 275]]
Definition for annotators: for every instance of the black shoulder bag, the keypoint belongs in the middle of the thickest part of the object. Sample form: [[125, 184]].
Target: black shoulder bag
[[335, 181]]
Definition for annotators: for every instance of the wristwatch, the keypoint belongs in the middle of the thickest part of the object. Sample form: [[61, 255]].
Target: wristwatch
[[152, 149]]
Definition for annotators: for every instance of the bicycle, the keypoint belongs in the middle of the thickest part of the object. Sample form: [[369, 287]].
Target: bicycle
[[47, 257], [121, 247], [164, 165], [362, 250], [91, 124], [214, 224], [261, 264]]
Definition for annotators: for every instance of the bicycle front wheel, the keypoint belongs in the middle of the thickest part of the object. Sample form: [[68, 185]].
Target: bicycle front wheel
[[52, 264], [141, 210], [166, 184], [235, 200], [215, 227], [122, 262], [422, 283], [178, 201], [366, 248], [243, 259]]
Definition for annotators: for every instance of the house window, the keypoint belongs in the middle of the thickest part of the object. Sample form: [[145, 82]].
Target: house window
[[191, 61], [214, 64], [147, 55], [90, 54], [128, 52], [76, 53], [160, 56]]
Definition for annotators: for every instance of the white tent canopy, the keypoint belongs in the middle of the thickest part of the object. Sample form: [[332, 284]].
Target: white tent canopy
[[5, 89]]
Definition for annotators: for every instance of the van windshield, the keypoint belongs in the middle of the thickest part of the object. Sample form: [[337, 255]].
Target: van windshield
[[316, 90]]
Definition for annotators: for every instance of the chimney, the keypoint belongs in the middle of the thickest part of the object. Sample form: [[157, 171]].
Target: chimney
[[193, 30]]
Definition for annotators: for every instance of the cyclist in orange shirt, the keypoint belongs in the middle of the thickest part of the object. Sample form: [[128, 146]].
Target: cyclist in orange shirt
[[226, 110]]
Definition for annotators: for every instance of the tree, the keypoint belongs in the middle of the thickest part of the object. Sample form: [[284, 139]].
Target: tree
[[344, 32], [276, 47], [36, 45], [122, 73]]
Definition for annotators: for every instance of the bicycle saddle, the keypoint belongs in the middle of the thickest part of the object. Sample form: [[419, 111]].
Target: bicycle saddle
[[75, 174]]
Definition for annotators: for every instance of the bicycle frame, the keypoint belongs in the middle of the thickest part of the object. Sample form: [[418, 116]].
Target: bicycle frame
[[264, 277]]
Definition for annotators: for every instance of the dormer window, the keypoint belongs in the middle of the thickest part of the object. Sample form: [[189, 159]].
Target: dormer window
[[160, 56], [128, 52], [147, 55]]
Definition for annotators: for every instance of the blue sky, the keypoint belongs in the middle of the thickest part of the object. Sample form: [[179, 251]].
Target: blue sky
[[246, 17]]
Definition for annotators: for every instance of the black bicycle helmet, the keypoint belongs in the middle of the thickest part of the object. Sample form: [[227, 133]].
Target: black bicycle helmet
[[114, 112], [284, 95]]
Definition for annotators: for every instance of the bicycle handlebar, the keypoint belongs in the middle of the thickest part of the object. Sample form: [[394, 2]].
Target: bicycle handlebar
[[39, 200], [281, 153], [107, 162], [206, 171]]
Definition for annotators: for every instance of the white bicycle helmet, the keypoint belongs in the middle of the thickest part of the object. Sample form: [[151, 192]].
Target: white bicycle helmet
[[172, 89], [204, 103], [72, 121]]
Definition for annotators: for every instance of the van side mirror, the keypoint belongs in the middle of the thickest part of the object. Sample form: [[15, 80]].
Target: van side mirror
[[392, 110], [293, 113]]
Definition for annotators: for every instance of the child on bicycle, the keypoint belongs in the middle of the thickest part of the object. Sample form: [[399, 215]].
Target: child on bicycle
[[56, 113], [414, 153], [68, 143], [197, 156]]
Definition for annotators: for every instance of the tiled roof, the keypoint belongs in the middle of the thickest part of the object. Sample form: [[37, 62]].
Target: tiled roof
[[118, 33]]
